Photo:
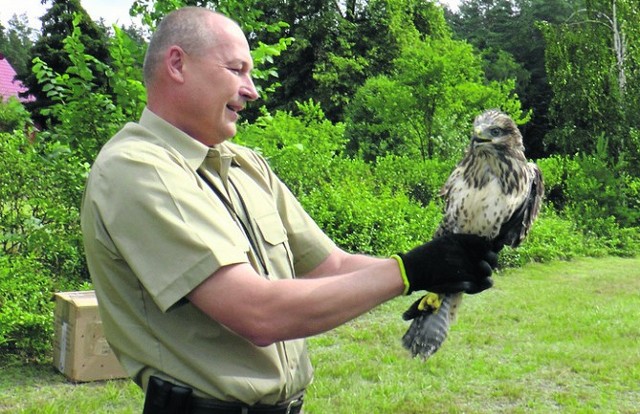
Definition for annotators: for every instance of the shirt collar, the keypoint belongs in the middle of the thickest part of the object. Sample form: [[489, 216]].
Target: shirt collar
[[192, 150]]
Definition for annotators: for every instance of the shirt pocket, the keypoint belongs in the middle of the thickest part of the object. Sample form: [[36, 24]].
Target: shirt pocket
[[275, 245]]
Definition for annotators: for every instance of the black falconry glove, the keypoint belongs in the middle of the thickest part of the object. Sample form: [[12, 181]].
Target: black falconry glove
[[449, 264]]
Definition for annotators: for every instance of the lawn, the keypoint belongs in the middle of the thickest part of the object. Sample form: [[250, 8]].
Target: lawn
[[548, 338]]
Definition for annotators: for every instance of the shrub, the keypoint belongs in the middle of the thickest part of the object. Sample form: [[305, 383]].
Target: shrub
[[588, 188], [602, 200], [39, 204], [420, 180], [393, 204], [361, 218], [13, 116], [551, 238], [42, 184], [40, 241], [345, 196], [303, 149], [26, 308]]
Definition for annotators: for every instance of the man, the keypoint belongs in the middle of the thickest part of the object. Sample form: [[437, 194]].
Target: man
[[208, 272]]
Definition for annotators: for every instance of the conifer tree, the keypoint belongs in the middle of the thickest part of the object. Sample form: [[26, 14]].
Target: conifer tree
[[57, 24]]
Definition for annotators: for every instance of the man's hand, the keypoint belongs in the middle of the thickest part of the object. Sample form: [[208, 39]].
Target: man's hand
[[449, 264]]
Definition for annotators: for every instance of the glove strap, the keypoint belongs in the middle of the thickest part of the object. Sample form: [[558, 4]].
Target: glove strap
[[403, 273]]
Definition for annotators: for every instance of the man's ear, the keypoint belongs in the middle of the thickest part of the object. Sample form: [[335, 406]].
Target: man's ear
[[174, 63]]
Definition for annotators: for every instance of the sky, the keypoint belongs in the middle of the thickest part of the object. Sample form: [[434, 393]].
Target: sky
[[113, 11]]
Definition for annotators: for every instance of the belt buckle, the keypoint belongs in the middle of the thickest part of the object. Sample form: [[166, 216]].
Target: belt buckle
[[290, 406]]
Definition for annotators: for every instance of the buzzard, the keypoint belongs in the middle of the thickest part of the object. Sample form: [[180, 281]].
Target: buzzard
[[493, 192]]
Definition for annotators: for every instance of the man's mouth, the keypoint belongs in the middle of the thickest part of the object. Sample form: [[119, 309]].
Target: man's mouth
[[235, 108]]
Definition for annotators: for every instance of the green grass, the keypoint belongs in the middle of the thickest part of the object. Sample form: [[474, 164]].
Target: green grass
[[548, 338], [40, 389]]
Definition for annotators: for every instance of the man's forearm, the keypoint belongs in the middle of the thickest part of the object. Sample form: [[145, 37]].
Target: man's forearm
[[341, 262]]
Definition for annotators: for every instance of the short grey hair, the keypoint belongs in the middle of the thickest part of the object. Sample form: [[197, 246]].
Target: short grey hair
[[187, 27]]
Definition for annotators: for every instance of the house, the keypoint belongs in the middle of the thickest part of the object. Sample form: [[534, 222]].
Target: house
[[9, 86]]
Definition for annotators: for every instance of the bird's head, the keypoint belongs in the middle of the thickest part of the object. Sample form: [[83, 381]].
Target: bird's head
[[495, 128]]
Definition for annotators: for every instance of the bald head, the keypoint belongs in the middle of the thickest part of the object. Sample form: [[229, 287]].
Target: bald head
[[198, 73], [194, 29]]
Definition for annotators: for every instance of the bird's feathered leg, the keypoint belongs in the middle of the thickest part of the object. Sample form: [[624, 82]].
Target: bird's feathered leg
[[432, 315]]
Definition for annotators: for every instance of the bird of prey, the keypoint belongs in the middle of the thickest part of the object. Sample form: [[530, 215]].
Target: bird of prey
[[493, 192]]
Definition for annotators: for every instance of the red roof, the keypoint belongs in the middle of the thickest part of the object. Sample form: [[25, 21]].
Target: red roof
[[9, 86]]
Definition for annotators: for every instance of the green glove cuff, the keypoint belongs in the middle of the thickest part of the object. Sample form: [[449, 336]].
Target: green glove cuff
[[403, 273]]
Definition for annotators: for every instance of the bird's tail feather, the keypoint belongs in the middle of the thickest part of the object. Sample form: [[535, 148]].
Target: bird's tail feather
[[429, 329]]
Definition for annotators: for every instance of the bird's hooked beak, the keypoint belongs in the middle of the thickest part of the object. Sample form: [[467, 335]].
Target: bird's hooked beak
[[480, 137]]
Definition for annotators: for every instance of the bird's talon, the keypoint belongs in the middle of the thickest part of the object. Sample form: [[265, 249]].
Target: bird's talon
[[430, 301]]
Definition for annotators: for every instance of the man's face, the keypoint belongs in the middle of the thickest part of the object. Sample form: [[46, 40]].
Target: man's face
[[218, 85]]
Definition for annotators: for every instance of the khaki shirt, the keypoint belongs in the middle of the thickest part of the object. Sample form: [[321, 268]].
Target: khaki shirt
[[154, 229]]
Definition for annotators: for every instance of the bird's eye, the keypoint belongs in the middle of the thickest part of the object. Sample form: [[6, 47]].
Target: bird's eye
[[495, 132]]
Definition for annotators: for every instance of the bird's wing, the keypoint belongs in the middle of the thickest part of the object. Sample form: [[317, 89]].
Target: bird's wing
[[514, 230]]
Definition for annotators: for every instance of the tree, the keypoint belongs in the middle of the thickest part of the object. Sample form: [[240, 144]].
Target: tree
[[424, 109], [593, 74], [322, 33], [363, 43], [528, 48], [16, 41], [337, 46], [513, 47], [57, 24]]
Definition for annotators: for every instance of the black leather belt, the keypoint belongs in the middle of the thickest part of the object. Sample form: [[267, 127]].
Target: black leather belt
[[164, 397], [206, 406]]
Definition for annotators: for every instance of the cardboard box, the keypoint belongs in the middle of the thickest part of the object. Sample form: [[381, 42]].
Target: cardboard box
[[80, 350]]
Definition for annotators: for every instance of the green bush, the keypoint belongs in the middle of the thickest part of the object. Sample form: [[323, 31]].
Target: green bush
[[40, 240], [603, 201], [39, 204], [590, 188], [347, 198], [302, 149], [42, 180], [361, 218], [394, 204], [13, 116], [26, 308], [420, 180], [551, 238]]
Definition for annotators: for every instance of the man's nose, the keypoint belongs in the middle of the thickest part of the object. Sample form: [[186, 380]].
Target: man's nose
[[248, 90]]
